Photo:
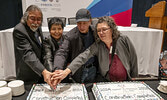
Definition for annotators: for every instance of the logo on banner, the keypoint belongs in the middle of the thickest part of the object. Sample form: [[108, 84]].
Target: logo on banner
[[44, 0]]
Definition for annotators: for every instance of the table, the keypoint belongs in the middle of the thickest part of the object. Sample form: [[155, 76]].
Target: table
[[7, 60], [146, 41], [153, 84]]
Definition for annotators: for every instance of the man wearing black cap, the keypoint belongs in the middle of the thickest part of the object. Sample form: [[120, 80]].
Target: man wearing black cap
[[76, 41]]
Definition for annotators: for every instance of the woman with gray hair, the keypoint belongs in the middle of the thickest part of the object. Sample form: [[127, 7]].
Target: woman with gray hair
[[116, 55]]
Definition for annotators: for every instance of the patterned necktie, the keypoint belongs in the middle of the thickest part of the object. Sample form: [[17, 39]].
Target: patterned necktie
[[37, 38]]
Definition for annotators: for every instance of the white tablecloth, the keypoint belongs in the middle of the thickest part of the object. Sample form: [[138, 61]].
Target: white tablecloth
[[146, 41]]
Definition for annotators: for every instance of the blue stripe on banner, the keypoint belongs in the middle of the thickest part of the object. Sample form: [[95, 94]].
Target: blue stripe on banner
[[93, 3], [109, 7]]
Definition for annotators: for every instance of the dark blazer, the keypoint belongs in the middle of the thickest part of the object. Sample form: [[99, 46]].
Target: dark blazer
[[50, 47], [72, 46], [28, 54]]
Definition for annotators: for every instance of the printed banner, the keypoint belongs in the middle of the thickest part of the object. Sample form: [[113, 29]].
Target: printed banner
[[121, 12]]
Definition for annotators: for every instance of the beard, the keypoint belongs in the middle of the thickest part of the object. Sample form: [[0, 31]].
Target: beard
[[34, 27]]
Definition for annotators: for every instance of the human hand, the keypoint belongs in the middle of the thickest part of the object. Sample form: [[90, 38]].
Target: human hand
[[54, 81], [47, 76], [58, 76]]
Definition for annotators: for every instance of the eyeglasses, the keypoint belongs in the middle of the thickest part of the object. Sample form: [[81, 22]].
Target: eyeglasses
[[35, 19], [102, 30]]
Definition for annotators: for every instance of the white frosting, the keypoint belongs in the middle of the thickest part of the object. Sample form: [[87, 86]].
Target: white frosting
[[124, 91], [64, 91]]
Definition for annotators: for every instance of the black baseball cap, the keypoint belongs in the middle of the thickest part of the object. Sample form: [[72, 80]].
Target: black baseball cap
[[83, 15]]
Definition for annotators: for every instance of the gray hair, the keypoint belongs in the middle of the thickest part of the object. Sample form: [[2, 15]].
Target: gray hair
[[111, 23], [26, 13]]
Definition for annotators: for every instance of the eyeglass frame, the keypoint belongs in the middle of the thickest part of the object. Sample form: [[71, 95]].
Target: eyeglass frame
[[103, 30]]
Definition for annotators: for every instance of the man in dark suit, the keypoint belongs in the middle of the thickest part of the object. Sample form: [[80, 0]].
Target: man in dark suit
[[28, 38]]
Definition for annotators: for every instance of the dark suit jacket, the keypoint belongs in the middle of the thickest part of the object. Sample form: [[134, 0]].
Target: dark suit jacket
[[28, 54], [50, 47], [72, 46]]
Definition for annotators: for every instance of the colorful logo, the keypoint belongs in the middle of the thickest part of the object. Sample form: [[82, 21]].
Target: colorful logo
[[44, 0]]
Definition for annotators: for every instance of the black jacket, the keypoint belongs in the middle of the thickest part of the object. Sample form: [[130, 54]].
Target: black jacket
[[72, 46], [28, 54], [50, 47]]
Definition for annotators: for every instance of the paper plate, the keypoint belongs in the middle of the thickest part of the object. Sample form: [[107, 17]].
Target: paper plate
[[3, 84], [17, 87], [6, 93], [162, 88], [163, 82]]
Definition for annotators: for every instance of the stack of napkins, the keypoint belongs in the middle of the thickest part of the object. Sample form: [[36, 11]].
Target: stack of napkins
[[64, 91], [124, 91], [162, 86]]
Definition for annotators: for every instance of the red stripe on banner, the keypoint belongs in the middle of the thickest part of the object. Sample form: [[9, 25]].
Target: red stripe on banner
[[123, 18]]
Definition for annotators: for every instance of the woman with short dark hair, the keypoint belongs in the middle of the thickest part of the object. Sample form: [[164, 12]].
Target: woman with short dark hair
[[53, 41]]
